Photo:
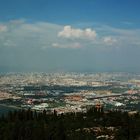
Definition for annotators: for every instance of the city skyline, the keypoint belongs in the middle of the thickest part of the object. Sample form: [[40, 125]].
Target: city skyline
[[68, 35]]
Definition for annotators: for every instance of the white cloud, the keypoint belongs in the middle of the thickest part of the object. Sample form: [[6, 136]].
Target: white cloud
[[124, 37], [20, 33], [75, 45], [108, 40], [24, 34], [17, 21], [127, 22], [3, 28], [9, 43], [69, 32]]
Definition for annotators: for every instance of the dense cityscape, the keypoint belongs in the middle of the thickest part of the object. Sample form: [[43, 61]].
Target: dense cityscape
[[70, 92], [69, 70]]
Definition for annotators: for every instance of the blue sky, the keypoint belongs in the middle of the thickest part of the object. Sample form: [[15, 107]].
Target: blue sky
[[72, 11], [69, 35]]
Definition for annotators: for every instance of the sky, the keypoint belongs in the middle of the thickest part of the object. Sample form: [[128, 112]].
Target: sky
[[69, 36]]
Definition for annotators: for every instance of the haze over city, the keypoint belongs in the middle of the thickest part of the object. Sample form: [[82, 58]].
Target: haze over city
[[69, 35], [69, 70]]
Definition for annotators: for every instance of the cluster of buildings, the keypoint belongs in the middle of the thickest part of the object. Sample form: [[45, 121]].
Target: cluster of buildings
[[70, 92]]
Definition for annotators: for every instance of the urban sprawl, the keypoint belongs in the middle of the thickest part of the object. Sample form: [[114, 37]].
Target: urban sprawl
[[70, 92]]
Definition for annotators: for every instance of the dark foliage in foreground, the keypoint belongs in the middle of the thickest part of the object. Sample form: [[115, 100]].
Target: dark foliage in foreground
[[29, 125]]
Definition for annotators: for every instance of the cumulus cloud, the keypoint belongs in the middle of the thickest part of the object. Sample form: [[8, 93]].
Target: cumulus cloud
[[69, 32], [20, 33], [108, 40], [3, 28]]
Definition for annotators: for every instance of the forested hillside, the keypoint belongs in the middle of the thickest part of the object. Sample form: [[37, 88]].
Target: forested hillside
[[30, 125]]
